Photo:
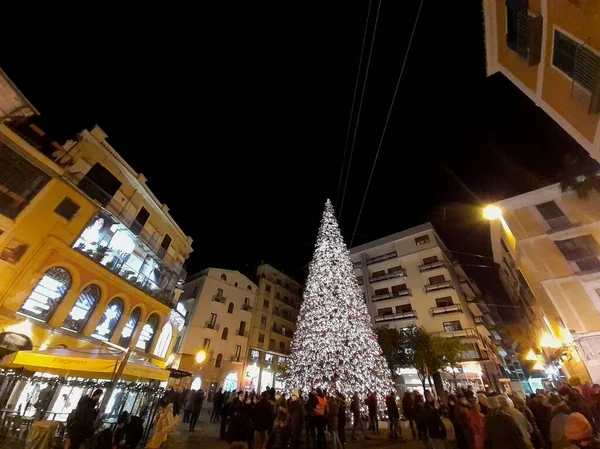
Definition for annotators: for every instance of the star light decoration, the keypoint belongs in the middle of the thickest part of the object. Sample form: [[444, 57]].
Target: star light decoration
[[334, 345]]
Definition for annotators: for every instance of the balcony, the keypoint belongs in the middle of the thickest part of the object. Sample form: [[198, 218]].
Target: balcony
[[236, 359], [391, 295], [432, 266], [386, 276], [219, 298], [241, 332], [382, 258], [452, 308], [478, 320], [285, 332], [396, 316], [461, 333], [263, 325], [110, 244], [357, 265], [360, 280], [285, 316], [213, 326], [438, 286], [247, 307]]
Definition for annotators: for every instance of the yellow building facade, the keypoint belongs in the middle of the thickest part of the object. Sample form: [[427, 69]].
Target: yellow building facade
[[546, 243], [551, 51], [89, 260]]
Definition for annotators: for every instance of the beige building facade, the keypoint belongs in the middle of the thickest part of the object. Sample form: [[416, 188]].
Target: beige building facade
[[218, 305], [546, 242], [409, 278], [273, 325]]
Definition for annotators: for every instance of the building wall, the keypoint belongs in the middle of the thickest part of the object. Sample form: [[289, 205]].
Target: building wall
[[200, 293]]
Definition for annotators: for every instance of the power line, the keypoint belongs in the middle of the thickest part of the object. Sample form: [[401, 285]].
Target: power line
[[362, 51], [362, 95], [387, 120]]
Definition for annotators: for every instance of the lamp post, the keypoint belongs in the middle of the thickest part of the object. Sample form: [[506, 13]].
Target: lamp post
[[492, 212]]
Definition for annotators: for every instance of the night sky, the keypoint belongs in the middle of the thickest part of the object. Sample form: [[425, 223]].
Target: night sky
[[237, 115]]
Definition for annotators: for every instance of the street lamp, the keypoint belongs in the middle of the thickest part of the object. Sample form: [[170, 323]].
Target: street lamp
[[201, 356], [492, 212]]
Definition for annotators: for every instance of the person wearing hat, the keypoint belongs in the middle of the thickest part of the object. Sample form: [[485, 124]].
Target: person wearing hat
[[579, 431]]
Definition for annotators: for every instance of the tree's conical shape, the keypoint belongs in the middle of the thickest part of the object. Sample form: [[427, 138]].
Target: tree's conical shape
[[334, 345]]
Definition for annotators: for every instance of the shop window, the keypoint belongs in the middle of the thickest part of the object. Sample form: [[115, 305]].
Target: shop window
[[67, 208], [254, 354], [100, 184], [47, 294], [225, 333], [268, 359], [83, 308], [130, 326], [109, 319], [219, 361], [147, 334], [196, 384], [164, 341], [20, 182], [230, 308]]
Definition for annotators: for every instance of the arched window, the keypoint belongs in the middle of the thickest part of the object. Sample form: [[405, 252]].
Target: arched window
[[164, 341], [130, 326], [223, 277], [249, 287], [83, 308], [47, 294], [109, 320], [219, 361], [196, 384], [236, 284], [230, 308], [147, 334], [224, 333]]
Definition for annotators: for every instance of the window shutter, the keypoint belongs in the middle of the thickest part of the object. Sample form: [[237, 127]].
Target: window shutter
[[585, 89]]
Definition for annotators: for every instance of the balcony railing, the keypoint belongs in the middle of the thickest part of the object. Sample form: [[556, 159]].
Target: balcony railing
[[383, 257], [432, 266], [438, 286], [241, 332], [478, 320], [396, 316], [247, 307], [385, 276], [213, 326], [285, 316], [236, 359], [390, 295], [285, 333], [453, 308], [357, 265], [462, 333], [218, 298]]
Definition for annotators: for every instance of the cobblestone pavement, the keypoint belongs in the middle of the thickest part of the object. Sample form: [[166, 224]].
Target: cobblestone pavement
[[206, 436]]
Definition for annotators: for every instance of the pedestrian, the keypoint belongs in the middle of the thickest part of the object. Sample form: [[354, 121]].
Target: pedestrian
[[356, 417], [580, 432], [461, 424], [536, 435], [333, 420], [482, 401], [476, 422], [393, 415], [188, 405], [178, 401], [542, 413], [342, 418], [309, 409], [196, 408], [419, 403], [372, 407], [296, 413], [408, 410], [224, 418], [500, 430], [163, 424], [560, 413], [576, 403], [435, 431], [320, 415], [217, 404], [129, 431], [81, 423], [280, 436], [261, 418]]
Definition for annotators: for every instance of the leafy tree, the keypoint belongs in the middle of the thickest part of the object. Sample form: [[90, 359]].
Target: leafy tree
[[580, 173], [448, 352]]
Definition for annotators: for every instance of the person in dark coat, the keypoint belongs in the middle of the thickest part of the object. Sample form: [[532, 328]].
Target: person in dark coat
[[196, 408], [217, 404], [262, 418], [358, 424], [501, 430], [129, 432], [419, 403], [432, 419], [372, 406], [309, 422], [393, 414], [296, 412], [81, 424], [576, 403], [542, 413], [408, 410], [224, 412], [280, 436], [342, 418]]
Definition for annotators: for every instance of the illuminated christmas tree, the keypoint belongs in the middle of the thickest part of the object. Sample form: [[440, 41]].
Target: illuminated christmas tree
[[334, 346]]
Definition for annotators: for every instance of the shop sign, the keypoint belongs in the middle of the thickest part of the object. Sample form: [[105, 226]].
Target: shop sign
[[11, 342]]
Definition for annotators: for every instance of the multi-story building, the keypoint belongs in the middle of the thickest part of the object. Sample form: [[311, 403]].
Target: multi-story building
[[218, 305], [89, 260], [546, 242], [273, 325], [551, 51], [409, 278]]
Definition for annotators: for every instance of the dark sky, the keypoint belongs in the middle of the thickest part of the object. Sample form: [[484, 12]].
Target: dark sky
[[237, 115]]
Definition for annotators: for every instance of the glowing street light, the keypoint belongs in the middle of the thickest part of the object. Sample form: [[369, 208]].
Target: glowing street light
[[201, 356], [550, 341], [531, 356], [491, 212]]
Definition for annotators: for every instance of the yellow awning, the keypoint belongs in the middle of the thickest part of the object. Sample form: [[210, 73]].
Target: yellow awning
[[93, 364]]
